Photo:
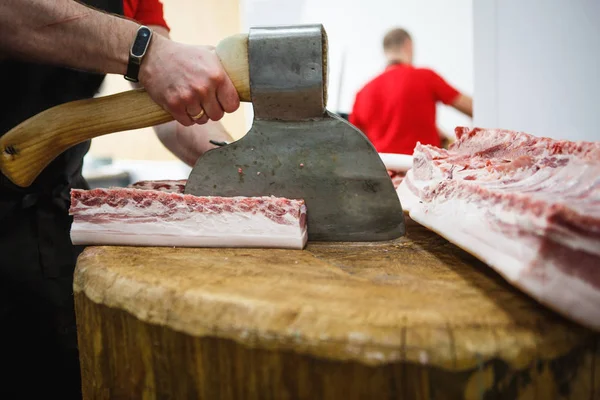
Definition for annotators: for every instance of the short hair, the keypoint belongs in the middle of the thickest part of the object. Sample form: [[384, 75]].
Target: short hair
[[395, 38]]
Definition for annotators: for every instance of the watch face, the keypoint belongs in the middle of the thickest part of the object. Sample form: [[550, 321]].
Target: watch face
[[141, 41]]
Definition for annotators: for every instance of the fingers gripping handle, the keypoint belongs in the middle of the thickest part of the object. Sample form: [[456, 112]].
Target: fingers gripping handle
[[29, 147]]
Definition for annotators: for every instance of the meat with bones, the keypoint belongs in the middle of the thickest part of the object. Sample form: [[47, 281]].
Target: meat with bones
[[157, 217], [527, 206]]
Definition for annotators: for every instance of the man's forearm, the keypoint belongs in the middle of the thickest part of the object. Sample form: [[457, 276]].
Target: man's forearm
[[188, 143], [464, 104], [67, 33]]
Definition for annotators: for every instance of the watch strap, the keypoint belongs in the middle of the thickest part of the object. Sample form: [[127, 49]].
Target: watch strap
[[137, 52], [133, 70]]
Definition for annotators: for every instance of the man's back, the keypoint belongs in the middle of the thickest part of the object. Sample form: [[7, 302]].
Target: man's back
[[397, 109]]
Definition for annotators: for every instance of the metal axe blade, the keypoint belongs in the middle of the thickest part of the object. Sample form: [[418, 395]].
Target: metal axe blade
[[327, 162], [297, 149]]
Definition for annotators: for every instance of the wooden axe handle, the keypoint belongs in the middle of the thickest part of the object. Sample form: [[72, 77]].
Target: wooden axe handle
[[29, 147]]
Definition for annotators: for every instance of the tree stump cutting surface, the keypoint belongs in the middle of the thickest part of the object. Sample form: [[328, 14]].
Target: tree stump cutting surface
[[416, 318]]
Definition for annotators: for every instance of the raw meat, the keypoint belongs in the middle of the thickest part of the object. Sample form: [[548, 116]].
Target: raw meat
[[397, 177], [174, 186], [140, 217], [396, 165], [527, 206]]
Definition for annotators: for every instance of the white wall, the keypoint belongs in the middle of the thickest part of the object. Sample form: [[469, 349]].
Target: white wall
[[441, 29], [537, 67]]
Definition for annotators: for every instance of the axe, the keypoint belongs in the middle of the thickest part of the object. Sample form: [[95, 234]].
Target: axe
[[296, 148]]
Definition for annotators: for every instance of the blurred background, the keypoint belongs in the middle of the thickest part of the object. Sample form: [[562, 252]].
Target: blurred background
[[530, 65]]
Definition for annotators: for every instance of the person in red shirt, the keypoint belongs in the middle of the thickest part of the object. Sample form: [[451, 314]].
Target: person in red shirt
[[146, 12], [397, 109]]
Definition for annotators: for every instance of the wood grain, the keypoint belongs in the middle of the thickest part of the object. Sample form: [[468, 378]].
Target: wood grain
[[233, 53], [413, 318], [29, 147]]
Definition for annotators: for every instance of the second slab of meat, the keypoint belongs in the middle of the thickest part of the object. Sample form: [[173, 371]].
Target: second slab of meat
[[527, 206]]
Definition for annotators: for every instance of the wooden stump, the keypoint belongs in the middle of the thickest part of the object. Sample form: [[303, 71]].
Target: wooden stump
[[417, 318]]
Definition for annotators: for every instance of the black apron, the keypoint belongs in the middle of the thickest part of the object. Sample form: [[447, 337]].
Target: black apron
[[37, 258]]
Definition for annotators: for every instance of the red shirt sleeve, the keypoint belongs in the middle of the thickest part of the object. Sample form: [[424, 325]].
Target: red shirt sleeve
[[147, 12], [442, 90]]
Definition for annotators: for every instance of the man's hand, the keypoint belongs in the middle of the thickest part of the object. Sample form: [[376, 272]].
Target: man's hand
[[191, 142], [188, 143], [183, 79], [186, 79]]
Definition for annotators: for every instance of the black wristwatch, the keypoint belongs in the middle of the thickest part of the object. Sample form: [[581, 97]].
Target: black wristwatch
[[137, 52]]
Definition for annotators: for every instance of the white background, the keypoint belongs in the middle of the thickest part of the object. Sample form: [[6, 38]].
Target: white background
[[537, 67], [441, 29]]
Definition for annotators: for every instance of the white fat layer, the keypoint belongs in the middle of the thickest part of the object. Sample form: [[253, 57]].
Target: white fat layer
[[80, 236], [186, 222], [408, 199], [527, 221], [196, 225], [513, 257], [576, 184]]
